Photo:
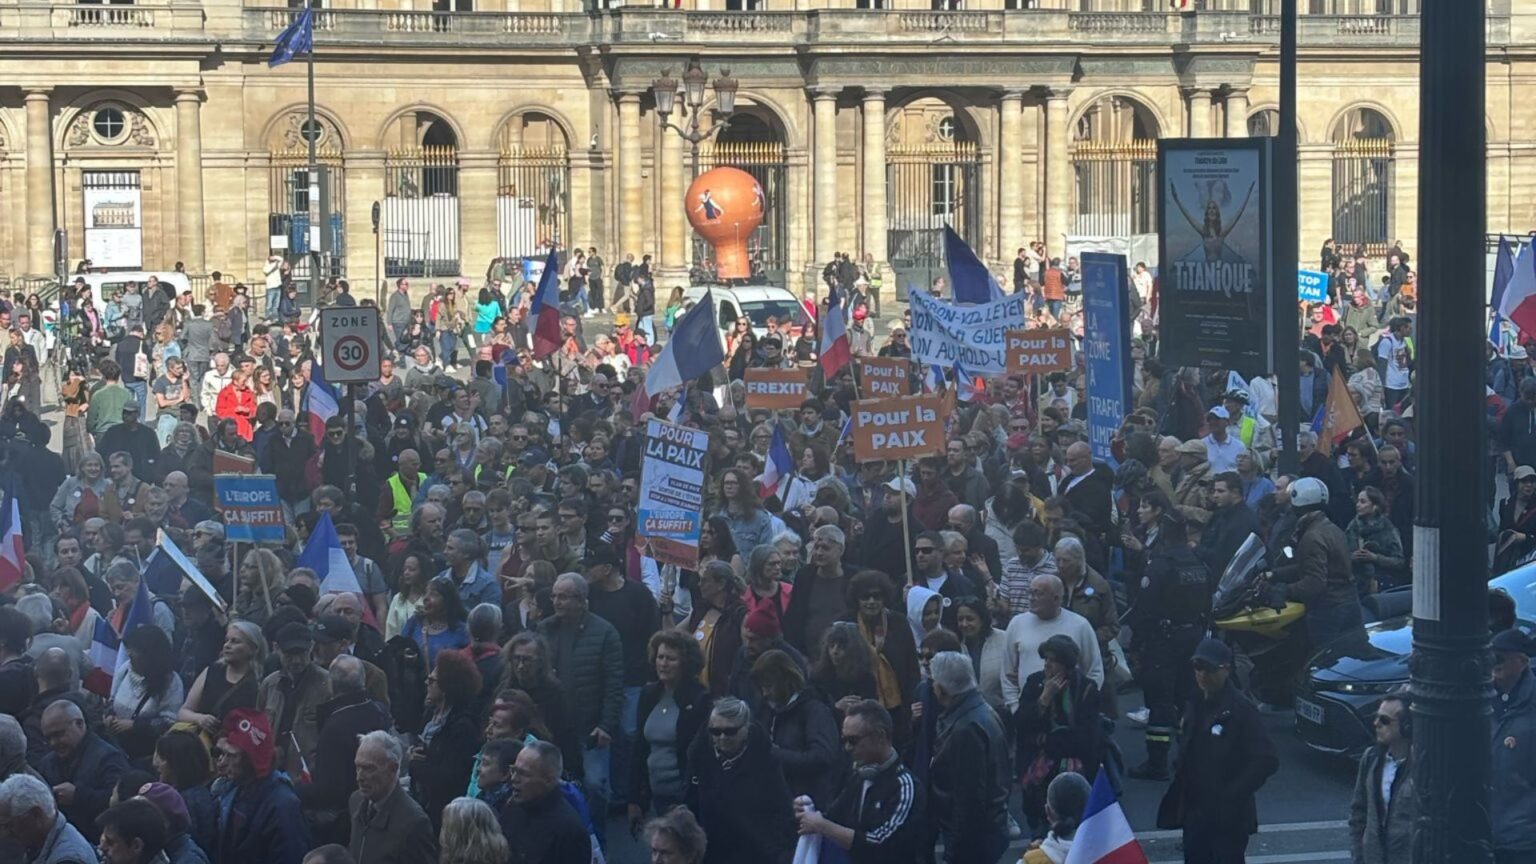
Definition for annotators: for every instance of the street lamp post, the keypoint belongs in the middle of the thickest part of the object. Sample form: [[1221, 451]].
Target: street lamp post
[[694, 82]]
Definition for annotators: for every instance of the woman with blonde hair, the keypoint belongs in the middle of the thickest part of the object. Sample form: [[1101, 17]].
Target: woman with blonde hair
[[260, 578], [471, 834]]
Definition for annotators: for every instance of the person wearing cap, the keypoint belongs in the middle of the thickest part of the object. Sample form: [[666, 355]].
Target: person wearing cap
[[885, 545], [1517, 520], [179, 847], [861, 339], [334, 637], [1192, 491], [291, 695], [260, 818], [761, 632], [1221, 448], [1513, 807], [1253, 431], [134, 438], [1225, 757]]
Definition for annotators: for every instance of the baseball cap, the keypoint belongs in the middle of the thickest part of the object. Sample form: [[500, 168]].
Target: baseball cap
[[532, 456], [600, 554], [1523, 472], [1512, 641], [332, 628], [404, 421], [1193, 447], [1213, 651], [294, 636], [1219, 411], [902, 484], [131, 407]]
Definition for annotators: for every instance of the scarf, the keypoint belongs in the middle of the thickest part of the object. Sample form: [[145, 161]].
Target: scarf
[[887, 687]]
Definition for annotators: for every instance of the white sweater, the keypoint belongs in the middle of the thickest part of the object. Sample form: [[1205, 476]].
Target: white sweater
[[1021, 649]]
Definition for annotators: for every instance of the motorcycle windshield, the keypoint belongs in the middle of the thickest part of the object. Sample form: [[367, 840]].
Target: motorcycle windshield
[[1246, 564]]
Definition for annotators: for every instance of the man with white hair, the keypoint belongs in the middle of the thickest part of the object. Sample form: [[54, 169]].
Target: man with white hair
[[540, 825], [388, 826], [39, 610], [214, 380], [82, 767], [1046, 618], [819, 590], [969, 778], [33, 821]]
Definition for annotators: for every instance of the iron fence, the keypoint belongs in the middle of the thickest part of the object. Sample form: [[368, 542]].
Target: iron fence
[[1362, 194], [533, 200], [419, 217], [1116, 187], [926, 188]]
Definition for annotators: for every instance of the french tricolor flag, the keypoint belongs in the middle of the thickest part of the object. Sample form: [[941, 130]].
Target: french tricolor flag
[[545, 310], [966, 387], [107, 653], [321, 401], [1105, 837], [778, 465], [834, 350], [13, 552], [1518, 306]]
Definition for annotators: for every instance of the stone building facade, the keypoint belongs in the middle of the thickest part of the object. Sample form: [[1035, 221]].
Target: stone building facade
[[155, 132]]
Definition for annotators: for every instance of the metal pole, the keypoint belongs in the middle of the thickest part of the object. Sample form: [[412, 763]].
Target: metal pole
[[1287, 328], [1450, 674], [311, 134], [348, 446]]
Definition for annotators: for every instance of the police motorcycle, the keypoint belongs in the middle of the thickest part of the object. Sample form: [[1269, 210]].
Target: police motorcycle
[[1260, 624]]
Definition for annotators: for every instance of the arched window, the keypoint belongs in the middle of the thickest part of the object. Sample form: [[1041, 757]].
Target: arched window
[[419, 220], [1114, 164], [533, 192], [1364, 146]]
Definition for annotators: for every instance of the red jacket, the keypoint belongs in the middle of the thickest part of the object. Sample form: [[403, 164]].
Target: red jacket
[[238, 405]]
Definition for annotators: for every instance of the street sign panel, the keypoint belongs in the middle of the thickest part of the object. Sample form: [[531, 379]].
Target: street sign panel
[[350, 344]]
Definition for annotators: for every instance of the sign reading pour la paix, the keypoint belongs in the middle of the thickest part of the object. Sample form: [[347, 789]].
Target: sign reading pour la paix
[[907, 427]]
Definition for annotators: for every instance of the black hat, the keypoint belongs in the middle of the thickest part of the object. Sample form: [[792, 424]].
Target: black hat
[[1511, 641], [599, 554], [404, 420], [333, 628], [295, 636], [1214, 652]]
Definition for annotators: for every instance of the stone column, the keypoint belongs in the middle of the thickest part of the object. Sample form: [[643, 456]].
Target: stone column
[[1010, 176], [40, 208], [1237, 114], [825, 210], [1058, 174], [674, 214], [874, 184], [189, 181], [1199, 112], [631, 194], [365, 185], [479, 235]]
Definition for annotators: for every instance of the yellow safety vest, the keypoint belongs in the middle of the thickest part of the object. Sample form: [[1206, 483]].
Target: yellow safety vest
[[1245, 430], [401, 522]]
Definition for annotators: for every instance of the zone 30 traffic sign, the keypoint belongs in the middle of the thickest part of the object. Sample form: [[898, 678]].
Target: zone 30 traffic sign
[[350, 344]]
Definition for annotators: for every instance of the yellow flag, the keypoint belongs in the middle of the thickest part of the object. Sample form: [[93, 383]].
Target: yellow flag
[[1341, 418]]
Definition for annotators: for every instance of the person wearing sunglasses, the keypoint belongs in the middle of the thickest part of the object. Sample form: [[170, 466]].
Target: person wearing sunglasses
[[1384, 807], [737, 789], [1226, 756]]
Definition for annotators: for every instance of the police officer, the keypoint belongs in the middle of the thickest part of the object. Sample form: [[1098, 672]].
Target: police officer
[[1168, 619], [1256, 433]]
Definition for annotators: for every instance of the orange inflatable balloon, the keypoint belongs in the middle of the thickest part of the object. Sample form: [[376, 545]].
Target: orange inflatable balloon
[[725, 205]]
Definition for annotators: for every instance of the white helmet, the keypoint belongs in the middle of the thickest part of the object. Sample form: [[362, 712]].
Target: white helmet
[[1308, 492]]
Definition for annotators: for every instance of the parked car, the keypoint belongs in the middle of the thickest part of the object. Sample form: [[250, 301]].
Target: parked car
[[1345, 682], [758, 303]]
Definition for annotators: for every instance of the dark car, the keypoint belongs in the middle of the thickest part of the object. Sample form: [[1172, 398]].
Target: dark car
[[1346, 680]]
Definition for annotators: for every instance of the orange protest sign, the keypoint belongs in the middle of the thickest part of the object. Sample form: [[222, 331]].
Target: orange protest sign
[[776, 388], [1039, 351], [225, 462], [884, 376], [907, 427]]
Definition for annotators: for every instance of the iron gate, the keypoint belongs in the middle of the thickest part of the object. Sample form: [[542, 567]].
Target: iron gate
[[419, 222], [533, 200], [1116, 188], [288, 213], [1362, 194], [926, 188], [767, 248]]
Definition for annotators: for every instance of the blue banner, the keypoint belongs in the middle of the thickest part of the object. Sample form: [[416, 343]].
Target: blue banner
[[1311, 286], [1106, 348], [250, 506]]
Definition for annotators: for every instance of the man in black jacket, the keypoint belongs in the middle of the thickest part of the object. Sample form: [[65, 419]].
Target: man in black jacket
[[969, 778], [1230, 524], [347, 716], [1088, 487], [540, 825], [82, 768], [878, 814], [1225, 756]]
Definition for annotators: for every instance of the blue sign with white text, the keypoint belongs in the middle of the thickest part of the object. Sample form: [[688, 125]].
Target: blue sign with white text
[[1106, 348], [1311, 286], [252, 511]]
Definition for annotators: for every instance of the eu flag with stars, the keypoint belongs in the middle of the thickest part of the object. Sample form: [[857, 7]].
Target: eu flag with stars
[[298, 38]]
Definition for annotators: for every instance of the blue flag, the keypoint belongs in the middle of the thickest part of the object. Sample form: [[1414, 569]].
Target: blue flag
[[969, 279], [298, 38], [693, 349]]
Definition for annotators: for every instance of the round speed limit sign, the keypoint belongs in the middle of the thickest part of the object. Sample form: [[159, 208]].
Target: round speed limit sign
[[350, 344]]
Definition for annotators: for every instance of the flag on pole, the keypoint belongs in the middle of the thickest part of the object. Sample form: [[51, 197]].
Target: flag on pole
[[969, 280], [545, 310], [1340, 416], [13, 552], [167, 566], [966, 387], [1104, 836], [933, 379], [321, 401], [324, 555], [834, 350], [693, 349], [1518, 305], [1503, 270], [298, 38], [107, 652], [778, 465]]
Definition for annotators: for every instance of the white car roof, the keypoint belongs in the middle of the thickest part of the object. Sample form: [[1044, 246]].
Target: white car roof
[[745, 294]]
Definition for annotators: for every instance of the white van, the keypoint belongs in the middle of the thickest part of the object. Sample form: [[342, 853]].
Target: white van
[[757, 303], [104, 284]]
